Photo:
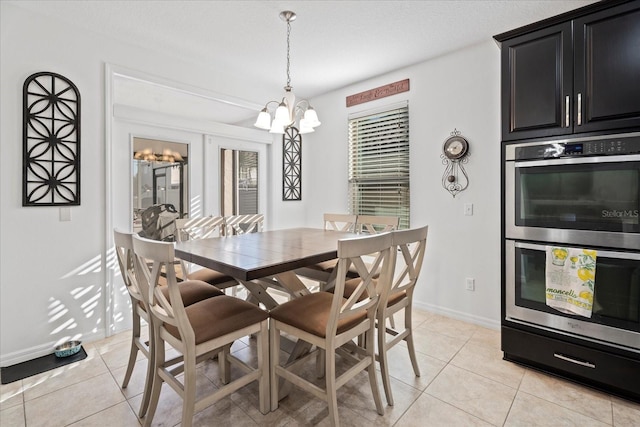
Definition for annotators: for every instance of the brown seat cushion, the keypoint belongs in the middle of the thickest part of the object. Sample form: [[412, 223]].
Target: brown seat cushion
[[328, 266], [215, 317], [311, 314], [212, 277], [351, 285], [193, 291]]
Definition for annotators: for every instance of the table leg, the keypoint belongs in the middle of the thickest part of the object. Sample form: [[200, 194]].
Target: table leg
[[259, 292]]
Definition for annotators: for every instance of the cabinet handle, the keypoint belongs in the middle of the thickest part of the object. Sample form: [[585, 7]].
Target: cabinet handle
[[579, 109], [566, 111], [572, 360]]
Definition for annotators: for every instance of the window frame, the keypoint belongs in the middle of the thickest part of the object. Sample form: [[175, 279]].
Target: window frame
[[379, 158]]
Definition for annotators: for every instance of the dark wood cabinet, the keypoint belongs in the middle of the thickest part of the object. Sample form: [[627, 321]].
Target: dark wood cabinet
[[577, 76], [569, 76]]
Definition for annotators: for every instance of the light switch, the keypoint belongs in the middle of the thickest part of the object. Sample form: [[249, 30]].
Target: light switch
[[468, 209]]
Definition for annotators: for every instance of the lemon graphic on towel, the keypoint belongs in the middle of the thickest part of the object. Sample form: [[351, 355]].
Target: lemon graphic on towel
[[590, 252], [585, 274], [587, 295]]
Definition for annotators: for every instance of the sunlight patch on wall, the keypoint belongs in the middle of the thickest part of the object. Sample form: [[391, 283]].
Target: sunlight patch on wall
[[91, 266], [80, 292], [89, 305], [195, 208], [69, 324]]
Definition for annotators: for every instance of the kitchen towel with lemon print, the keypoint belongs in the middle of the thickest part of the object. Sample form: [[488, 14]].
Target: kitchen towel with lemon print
[[570, 279]]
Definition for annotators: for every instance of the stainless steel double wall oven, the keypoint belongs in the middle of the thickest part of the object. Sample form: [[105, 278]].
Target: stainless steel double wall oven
[[579, 193]]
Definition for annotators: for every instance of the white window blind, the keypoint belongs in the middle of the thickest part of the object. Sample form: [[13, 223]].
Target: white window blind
[[379, 164]]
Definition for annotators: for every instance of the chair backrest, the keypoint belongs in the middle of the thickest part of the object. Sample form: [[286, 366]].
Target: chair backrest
[[409, 246], [339, 222], [377, 250], [243, 224], [158, 222], [199, 228], [123, 243], [374, 224], [151, 258]]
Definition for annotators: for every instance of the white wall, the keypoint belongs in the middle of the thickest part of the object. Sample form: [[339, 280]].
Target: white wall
[[53, 274], [459, 90]]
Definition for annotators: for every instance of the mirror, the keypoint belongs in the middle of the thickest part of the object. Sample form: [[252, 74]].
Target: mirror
[[160, 183]]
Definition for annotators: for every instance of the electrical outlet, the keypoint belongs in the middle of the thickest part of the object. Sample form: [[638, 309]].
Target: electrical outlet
[[470, 284], [468, 209]]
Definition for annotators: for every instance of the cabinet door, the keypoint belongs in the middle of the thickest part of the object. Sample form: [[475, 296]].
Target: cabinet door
[[607, 69], [537, 75]]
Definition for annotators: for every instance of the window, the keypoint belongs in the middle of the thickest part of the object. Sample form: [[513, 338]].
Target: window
[[239, 182], [379, 163]]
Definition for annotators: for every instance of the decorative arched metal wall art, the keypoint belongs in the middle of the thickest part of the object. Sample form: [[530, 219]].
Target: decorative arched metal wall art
[[51, 141], [291, 164]]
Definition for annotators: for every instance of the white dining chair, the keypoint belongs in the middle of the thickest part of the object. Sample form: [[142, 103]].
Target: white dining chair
[[408, 247], [197, 332], [329, 321], [190, 292]]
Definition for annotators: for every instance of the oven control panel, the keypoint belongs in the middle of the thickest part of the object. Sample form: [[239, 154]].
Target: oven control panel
[[601, 146]]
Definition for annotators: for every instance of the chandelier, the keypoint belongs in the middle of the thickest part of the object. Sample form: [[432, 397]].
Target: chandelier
[[167, 156], [288, 110]]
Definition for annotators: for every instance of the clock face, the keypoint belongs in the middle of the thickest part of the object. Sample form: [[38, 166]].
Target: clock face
[[455, 147]]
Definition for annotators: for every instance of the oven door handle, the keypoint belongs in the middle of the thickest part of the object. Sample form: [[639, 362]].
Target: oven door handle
[[601, 254], [577, 161], [572, 360]]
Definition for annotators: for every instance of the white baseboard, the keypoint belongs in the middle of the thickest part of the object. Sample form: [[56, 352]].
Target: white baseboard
[[459, 315]]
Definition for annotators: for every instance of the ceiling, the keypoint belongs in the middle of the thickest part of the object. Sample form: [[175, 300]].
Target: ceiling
[[333, 43]]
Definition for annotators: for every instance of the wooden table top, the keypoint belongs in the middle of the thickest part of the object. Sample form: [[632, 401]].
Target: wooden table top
[[255, 255]]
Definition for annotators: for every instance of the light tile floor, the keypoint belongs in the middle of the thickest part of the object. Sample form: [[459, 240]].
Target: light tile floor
[[464, 382]]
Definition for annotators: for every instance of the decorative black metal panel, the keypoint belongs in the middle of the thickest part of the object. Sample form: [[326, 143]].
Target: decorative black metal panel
[[291, 164], [51, 141]]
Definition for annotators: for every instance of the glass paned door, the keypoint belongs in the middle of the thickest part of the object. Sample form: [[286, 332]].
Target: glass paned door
[[239, 182]]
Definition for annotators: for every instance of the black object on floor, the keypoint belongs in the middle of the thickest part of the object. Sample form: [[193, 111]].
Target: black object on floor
[[37, 366]]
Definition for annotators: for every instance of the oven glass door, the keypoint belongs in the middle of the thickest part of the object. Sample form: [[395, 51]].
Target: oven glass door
[[616, 300], [593, 195]]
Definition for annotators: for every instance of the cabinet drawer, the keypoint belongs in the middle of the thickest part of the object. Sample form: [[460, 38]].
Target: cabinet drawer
[[611, 372]]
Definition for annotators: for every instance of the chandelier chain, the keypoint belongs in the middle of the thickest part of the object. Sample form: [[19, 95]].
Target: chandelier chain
[[288, 55]]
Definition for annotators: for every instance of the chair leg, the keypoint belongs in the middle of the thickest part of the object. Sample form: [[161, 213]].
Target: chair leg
[[146, 395], [274, 360], [135, 336], [384, 365], [392, 322], [371, 353], [132, 361], [224, 365], [409, 339], [189, 396], [330, 380], [263, 365], [320, 358], [158, 362]]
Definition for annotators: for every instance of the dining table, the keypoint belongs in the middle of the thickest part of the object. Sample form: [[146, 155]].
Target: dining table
[[265, 259]]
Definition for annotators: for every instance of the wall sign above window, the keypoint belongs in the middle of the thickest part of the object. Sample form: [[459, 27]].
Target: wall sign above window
[[51, 141], [377, 93]]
